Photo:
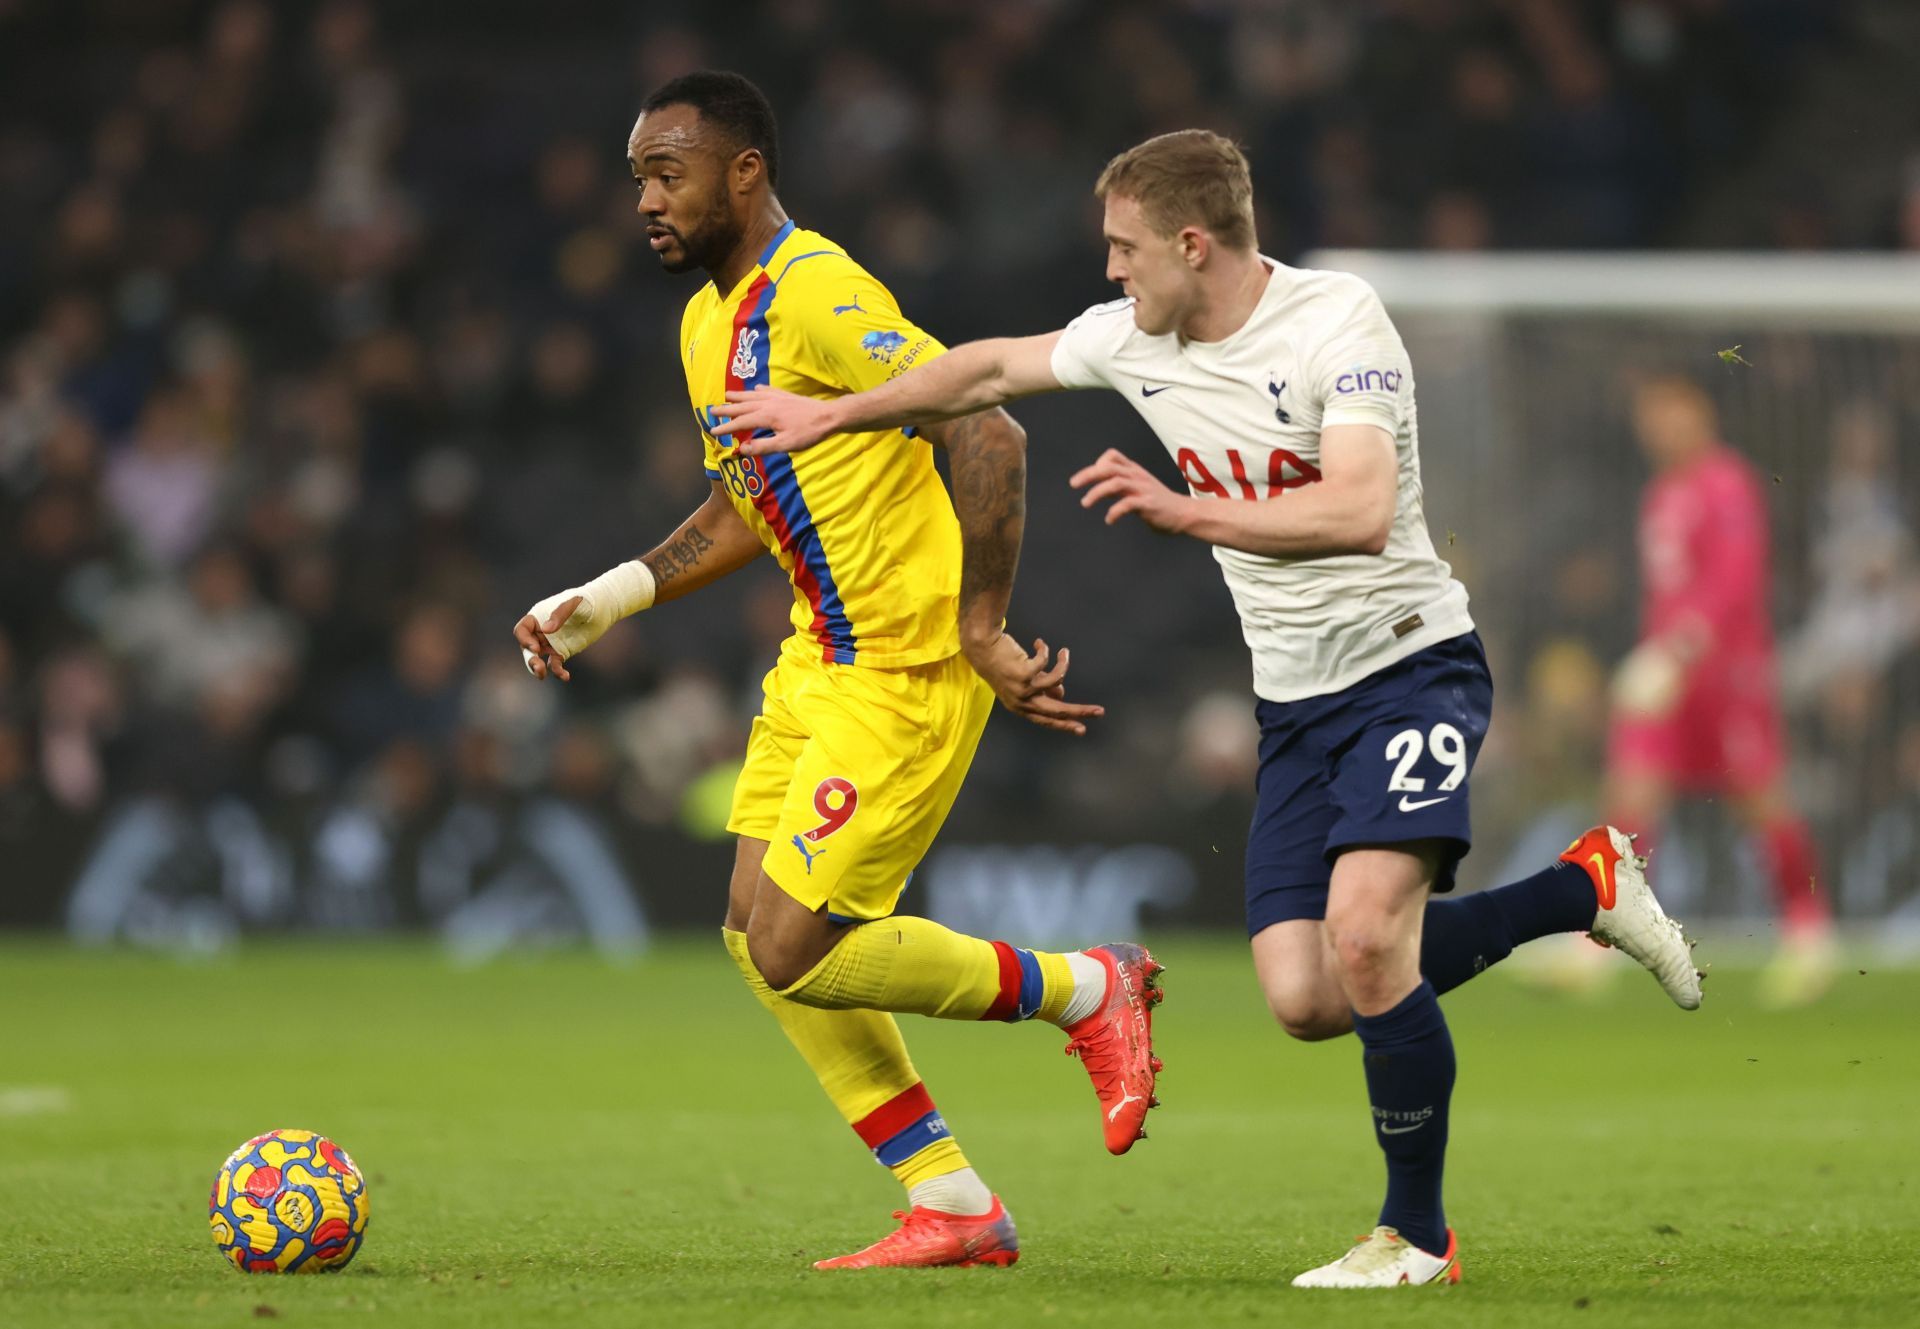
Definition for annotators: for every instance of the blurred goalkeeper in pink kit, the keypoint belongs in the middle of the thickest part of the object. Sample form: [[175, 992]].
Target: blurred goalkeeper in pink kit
[[1696, 705]]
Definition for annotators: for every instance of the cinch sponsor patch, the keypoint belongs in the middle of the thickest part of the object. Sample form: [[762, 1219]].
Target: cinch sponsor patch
[[1369, 380]]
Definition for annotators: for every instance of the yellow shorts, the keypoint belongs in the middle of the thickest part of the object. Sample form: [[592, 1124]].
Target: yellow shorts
[[850, 773]]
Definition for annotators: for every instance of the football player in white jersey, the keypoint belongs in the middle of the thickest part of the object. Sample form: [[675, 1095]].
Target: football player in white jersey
[[1286, 400]]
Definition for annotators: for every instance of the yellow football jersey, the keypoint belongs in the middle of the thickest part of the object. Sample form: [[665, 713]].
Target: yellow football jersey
[[861, 522]]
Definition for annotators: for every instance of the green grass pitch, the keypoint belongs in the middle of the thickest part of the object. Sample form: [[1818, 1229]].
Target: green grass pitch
[[563, 1141]]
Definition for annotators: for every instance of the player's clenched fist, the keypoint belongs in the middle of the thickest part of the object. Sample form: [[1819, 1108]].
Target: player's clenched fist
[[561, 626]]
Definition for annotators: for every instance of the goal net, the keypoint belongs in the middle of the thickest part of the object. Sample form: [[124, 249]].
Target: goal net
[[1526, 367]]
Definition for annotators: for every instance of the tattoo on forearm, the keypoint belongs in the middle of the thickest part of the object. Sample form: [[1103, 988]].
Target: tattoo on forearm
[[679, 555], [988, 457]]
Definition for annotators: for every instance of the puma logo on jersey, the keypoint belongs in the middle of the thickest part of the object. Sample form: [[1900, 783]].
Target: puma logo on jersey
[[809, 855], [853, 308]]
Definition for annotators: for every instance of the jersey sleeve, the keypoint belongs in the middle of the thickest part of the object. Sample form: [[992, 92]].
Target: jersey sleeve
[[1085, 349], [1360, 373], [855, 336], [710, 449]]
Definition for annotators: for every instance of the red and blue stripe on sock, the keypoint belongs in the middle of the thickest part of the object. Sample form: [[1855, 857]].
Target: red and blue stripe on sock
[[902, 1126], [1021, 985]]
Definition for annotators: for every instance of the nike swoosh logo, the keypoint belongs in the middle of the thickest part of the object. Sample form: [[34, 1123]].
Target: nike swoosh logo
[[1146, 391], [1601, 876], [1127, 1098], [1400, 1130], [1408, 805]]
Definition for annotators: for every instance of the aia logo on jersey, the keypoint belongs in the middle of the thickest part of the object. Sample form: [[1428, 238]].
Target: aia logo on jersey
[[745, 363], [1285, 470], [882, 346]]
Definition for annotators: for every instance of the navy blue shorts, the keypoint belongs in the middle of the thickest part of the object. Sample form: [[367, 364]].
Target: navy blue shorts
[[1383, 762]]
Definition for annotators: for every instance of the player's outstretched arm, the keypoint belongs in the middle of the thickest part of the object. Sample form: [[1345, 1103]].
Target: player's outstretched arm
[[987, 454], [969, 378], [1349, 510], [708, 545]]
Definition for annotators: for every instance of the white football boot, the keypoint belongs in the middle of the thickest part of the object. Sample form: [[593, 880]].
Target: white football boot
[[1384, 1259], [1629, 918]]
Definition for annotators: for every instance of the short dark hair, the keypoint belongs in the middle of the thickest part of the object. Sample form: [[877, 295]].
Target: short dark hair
[[731, 102]]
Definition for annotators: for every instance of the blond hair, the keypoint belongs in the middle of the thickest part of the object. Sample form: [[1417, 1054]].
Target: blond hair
[[1191, 177]]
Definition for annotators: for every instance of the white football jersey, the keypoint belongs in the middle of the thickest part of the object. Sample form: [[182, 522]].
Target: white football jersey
[[1242, 418]]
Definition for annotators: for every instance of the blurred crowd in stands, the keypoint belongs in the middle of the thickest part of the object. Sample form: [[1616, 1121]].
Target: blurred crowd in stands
[[326, 346]]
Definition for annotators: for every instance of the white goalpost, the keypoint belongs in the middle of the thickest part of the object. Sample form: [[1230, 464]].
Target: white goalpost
[[1525, 365]]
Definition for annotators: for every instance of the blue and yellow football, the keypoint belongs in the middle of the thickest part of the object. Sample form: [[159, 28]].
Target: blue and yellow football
[[288, 1202]]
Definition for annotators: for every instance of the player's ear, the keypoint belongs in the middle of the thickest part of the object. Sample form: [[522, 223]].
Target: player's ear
[[1194, 245], [748, 167]]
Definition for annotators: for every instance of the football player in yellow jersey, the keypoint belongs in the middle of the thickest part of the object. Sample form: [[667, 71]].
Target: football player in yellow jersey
[[879, 698]]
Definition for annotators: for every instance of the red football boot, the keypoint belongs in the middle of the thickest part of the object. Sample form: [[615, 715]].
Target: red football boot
[[1115, 1043], [928, 1239]]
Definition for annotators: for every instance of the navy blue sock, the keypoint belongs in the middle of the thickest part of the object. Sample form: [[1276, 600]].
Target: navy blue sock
[[1463, 935], [1409, 1059]]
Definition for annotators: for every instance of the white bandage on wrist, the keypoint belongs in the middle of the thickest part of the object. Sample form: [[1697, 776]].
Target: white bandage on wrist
[[604, 601]]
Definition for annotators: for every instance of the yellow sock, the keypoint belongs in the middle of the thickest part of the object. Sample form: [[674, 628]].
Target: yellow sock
[[912, 964], [861, 1061]]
